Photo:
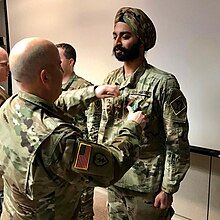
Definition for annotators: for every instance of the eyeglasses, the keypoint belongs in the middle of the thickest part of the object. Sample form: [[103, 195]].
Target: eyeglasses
[[4, 63]]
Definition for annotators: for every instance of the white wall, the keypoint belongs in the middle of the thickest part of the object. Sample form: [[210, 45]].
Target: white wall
[[188, 45]]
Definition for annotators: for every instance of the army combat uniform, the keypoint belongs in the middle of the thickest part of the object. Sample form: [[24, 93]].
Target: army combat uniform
[[80, 120], [3, 97], [76, 82], [164, 152], [46, 164]]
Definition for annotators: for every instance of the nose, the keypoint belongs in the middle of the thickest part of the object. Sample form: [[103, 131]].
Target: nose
[[117, 41]]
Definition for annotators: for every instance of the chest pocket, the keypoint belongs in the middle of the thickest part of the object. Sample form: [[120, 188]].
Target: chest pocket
[[116, 108], [141, 100]]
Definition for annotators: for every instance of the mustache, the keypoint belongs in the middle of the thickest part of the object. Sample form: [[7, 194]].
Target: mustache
[[119, 47]]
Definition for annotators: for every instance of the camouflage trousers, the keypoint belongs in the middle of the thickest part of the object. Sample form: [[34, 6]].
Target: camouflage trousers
[[85, 206], [125, 204]]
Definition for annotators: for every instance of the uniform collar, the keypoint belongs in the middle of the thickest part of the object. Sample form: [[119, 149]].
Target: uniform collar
[[67, 85], [34, 99], [132, 80], [48, 107]]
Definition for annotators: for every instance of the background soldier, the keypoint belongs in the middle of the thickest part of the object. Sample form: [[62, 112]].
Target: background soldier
[[72, 81], [145, 191], [45, 162], [4, 71]]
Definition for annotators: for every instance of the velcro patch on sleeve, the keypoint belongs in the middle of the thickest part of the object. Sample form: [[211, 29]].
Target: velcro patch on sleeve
[[100, 160], [83, 156], [178, 105]]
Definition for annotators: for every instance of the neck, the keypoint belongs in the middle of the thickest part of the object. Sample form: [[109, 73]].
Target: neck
[[66, 77], [39, 92], [131, 66]]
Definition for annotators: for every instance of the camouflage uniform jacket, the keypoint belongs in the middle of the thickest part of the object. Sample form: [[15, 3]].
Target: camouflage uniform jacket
[[84, 120], [3, 95], [46, 164], [164, 153]]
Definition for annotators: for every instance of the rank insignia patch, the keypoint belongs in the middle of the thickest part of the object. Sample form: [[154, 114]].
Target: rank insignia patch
[[178, 105], [100, 160], [83, 156]]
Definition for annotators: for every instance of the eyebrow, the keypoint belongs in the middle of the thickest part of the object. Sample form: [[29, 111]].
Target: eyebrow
[[123, 32]]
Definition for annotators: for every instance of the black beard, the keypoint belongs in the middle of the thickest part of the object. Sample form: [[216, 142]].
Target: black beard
[[124, 54]]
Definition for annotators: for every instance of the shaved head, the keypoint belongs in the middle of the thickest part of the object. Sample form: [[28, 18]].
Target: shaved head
[[35, 65], [4, 69], [3, 52], [28, 57]]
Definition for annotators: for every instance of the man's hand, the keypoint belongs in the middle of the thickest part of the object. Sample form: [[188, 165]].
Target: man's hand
[[137, 116], [163, 200], [106, 91]]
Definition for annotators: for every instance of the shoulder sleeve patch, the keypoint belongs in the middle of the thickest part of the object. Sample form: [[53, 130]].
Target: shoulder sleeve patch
[[178, 105], [100, 160], [83, 156]]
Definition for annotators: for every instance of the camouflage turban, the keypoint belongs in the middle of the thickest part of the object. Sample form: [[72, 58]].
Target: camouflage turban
[[140, 24]]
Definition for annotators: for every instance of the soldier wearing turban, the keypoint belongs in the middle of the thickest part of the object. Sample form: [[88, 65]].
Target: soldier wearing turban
[[145, 191], [139, 23]]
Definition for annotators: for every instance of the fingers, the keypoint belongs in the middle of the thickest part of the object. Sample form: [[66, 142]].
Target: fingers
[[106, 91], [130, 110], [156, 203], [163, 200], [138, 117]]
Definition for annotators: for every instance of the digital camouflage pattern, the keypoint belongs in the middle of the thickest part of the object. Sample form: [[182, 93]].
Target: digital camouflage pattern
[[123, 203], [140, 24], [3, 96], [85, 205], [85, 120], [41, 180], [76, 82], [164, 152]]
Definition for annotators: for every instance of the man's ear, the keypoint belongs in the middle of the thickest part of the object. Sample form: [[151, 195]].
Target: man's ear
[[142, 49], [72, 62], [44, 76]]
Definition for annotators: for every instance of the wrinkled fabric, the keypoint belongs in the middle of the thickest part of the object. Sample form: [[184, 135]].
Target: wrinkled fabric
[[129, 205], [164, 152], [44, 173], [3, 95], [139, 23], [85, 206], [80, 120]]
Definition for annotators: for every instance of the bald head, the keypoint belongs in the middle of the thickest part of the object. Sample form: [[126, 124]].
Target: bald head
[[28, 57], [4, 69], [35, 65], [3, 53]]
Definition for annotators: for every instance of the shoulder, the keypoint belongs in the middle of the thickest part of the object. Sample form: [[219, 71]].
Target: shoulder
[[164, 78], [113, 75], [80, 82]]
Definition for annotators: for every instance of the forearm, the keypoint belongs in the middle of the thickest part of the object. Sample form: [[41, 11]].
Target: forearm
[[125, 148], [93, 114], [177, 154], [177, 144], [176, 165], [75, 101]]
